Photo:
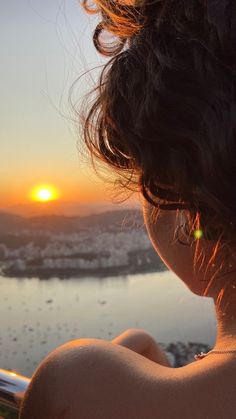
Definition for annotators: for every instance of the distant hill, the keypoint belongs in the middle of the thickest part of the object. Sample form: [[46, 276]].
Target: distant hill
[[66, 208], [15, 224], [11, 223]]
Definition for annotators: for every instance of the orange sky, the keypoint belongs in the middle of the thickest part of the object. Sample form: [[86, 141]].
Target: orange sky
[[78, 190], [45, 49]]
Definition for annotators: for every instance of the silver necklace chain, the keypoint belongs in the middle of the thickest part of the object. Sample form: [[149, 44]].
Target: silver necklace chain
[[202, 354]]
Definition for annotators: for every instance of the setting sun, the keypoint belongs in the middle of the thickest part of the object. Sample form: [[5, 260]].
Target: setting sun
[[44, 193]]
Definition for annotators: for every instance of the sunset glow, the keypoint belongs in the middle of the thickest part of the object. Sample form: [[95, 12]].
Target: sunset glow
[[44, 193]]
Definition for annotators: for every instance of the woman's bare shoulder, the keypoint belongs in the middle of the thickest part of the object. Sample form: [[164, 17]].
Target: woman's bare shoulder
[[93, 378], [97, 379]]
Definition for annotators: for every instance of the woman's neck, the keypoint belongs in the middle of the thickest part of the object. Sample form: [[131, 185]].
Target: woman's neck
[[226, 321]]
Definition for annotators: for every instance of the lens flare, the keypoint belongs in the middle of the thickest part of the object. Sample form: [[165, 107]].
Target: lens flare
[[198, 234]]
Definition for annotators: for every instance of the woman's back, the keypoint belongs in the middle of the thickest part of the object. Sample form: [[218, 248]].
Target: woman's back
[[210, 391], [103, 381]]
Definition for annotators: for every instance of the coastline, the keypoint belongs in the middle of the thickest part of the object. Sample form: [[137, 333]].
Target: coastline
[[67, 273]]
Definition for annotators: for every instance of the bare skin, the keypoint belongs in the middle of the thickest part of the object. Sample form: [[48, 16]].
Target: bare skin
[[130, 377]]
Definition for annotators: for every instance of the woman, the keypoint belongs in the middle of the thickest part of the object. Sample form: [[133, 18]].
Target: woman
[[164, 119]]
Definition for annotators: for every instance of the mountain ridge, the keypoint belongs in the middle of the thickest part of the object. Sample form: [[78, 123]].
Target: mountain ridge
[[13, 223]]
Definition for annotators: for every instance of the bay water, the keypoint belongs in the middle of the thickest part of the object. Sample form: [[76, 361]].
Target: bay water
[[39, 315]]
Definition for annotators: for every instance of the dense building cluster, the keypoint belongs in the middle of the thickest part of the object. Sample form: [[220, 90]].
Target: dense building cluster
[[102, 248]]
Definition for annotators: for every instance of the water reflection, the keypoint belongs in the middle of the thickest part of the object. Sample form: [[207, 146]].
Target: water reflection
[[37, 316]]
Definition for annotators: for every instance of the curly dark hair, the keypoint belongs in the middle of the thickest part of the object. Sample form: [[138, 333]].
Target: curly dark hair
[[165, 111]]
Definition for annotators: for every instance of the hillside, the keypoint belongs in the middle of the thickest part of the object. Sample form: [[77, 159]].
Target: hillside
[[15, 224]]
